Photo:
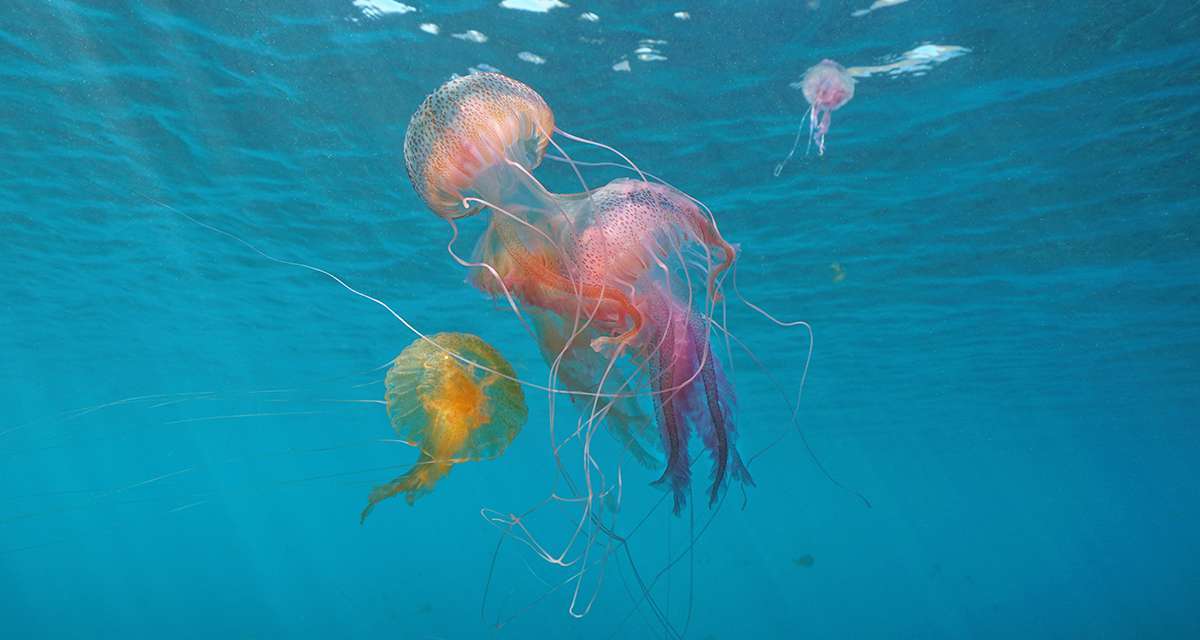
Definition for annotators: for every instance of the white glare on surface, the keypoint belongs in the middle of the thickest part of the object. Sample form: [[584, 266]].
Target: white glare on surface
[[878, 4], [379, 8], [471, 35], [915, 61], [539, 6]]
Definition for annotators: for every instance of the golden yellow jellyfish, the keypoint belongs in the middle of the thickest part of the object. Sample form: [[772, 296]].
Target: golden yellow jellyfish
[[453, 411]]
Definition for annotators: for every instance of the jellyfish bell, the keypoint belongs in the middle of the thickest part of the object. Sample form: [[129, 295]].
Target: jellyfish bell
[[471, 137], [635, 226], [827, 85], [455, 398]]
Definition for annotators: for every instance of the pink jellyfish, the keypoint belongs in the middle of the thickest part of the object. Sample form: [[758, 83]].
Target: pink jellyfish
[[827, 86]]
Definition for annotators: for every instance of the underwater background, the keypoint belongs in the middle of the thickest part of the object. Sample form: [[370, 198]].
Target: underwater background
[[999, 254]]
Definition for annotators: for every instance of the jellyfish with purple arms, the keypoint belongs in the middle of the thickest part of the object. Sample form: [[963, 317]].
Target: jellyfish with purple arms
[[606, 276]]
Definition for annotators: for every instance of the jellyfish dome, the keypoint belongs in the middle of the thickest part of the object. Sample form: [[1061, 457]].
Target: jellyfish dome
[[454, 397], [466, 128]]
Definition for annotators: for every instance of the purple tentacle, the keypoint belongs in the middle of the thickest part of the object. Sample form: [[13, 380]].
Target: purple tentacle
[[670, 401], [714, 420], [691, 392], [822, 129]]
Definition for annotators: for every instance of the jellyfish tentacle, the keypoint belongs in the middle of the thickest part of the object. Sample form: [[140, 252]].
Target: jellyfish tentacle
[[602, 146], [674, 429], [712, 426], [795, 143], [813, 115], [822, 129], [711, 237], [716, 427], [670, 380], [416, 482], [490, 269], [691, 392]]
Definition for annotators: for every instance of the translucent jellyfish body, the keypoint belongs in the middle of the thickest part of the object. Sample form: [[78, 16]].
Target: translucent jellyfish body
[[619, 281], [827, 86], [453, 411], [462, 139]]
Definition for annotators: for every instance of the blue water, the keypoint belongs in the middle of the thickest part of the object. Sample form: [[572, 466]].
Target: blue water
[[1000, 259]]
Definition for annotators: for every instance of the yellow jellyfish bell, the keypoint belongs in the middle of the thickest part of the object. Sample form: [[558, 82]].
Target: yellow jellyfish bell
[[453, 411]]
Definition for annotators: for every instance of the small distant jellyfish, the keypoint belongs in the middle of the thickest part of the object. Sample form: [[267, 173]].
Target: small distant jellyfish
[[453, 411], [827, 86]]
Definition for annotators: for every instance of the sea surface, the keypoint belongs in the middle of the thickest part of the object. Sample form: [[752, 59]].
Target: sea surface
[[998, 254]]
